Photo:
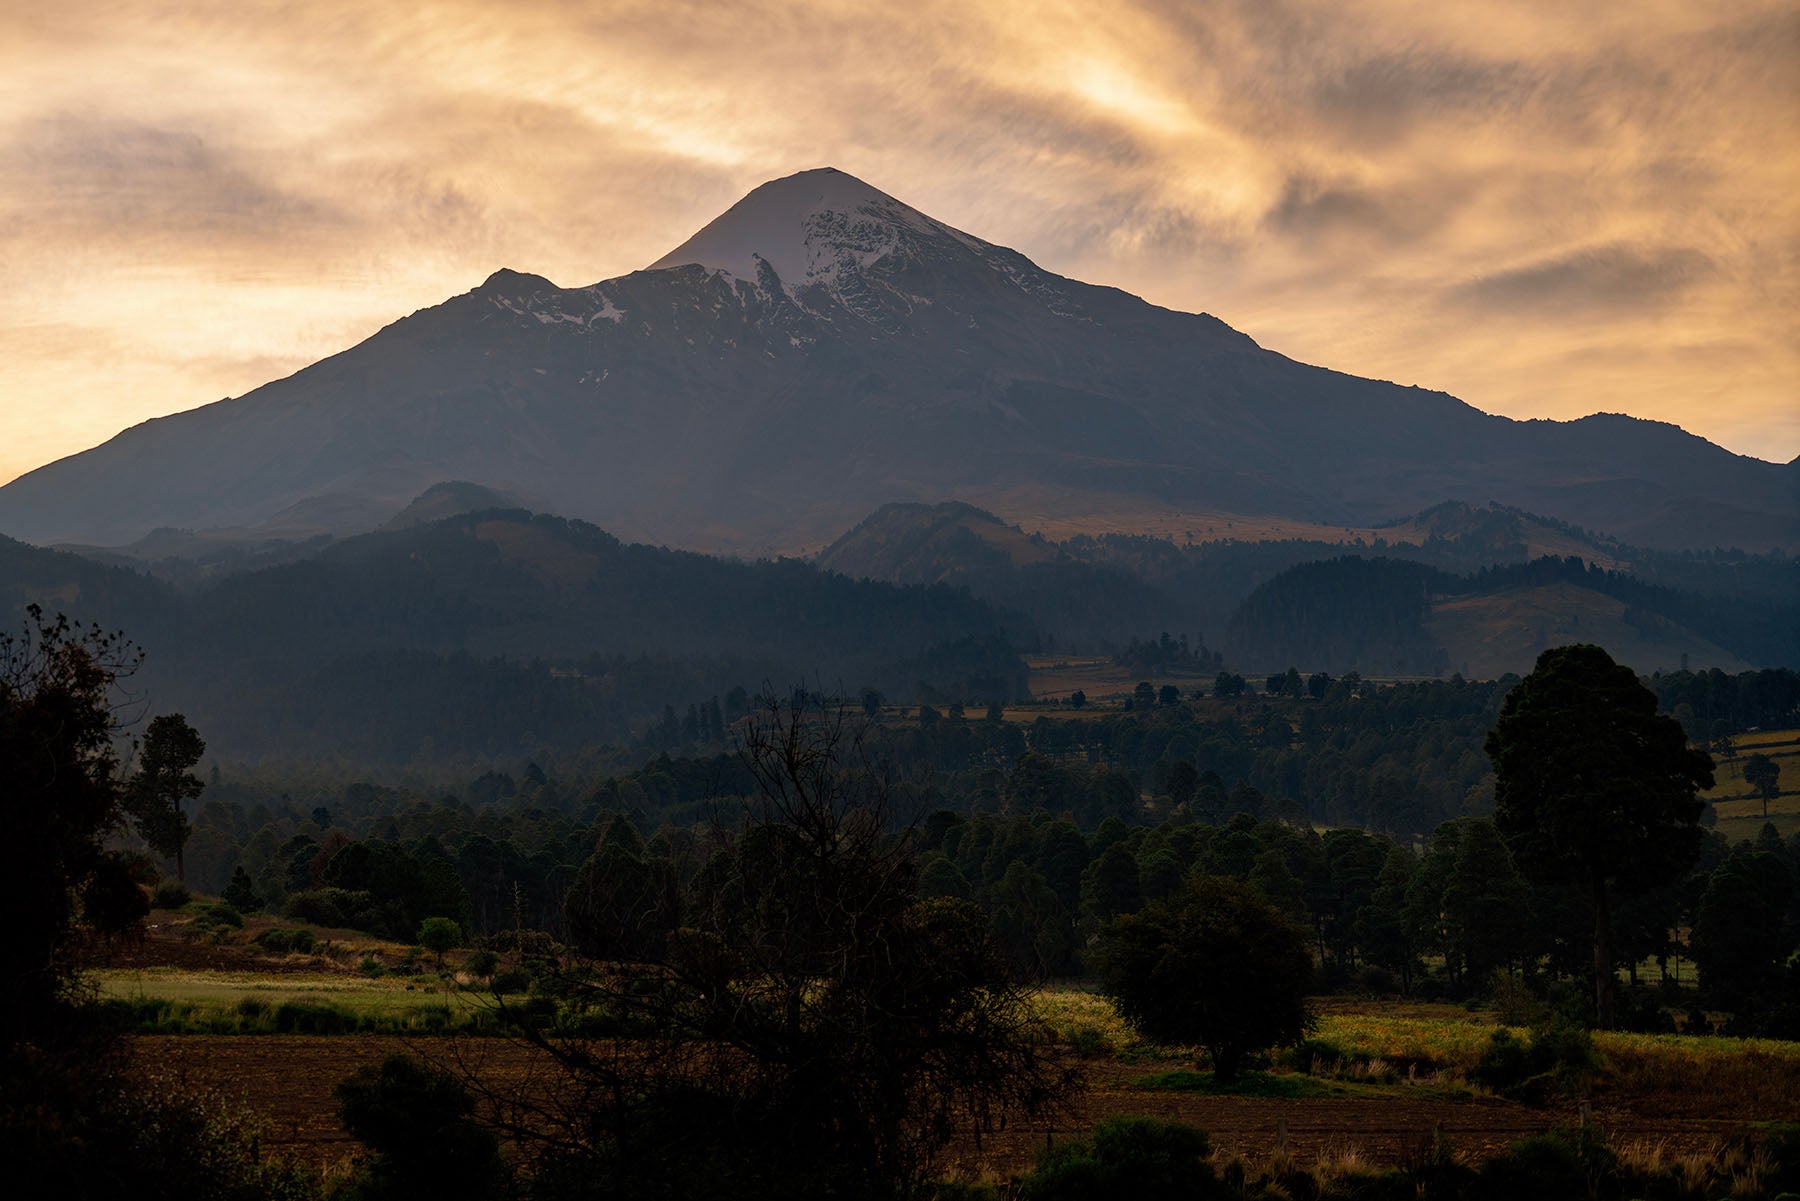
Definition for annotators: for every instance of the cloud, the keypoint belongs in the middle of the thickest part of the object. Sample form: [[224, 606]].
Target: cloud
[[1601, 279]]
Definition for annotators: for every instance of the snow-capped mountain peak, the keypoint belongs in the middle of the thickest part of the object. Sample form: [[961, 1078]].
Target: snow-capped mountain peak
[[809, 228]]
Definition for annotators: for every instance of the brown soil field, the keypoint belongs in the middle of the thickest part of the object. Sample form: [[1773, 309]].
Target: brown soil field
[[289, 1080]]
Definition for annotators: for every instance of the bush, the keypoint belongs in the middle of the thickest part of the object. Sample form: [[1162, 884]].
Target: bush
[[223, 915], [337, 907], [439, 934], [298, 1017], [512, 981], [416, 1118], [371, 967], [1087, 1041], [240, 893], [80, 1121], [275, 941], [170, 894], [1559, 1052], [481, 964], [1559, 1164], [1505, 1063], [1145, 1159]]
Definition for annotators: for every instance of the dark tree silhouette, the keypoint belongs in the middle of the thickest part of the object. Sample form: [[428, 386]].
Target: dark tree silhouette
[[163, 780], [1763, 774], [59, 800], [811, 1025], [1594, 788], [1215, 965]]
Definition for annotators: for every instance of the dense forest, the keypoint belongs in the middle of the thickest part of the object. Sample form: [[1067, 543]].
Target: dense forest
[[1054, 830], [1361, 809]]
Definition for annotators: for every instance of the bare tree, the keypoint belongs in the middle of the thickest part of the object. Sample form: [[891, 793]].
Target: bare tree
[[808, 1025]]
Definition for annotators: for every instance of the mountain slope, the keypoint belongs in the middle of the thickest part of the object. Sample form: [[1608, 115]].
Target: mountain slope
[[821, 349], [491, 633], [1390, 616]]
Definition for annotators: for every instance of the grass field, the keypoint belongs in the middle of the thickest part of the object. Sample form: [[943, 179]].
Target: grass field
[[1364, 1096], [181, 1001], [1740, 812]]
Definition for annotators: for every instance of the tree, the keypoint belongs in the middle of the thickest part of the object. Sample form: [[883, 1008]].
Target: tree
[[440, 934], [1764, 775], [240, 893], [1214, 965], [812, 1026], [418, 1120], [612, 909], [164, 779], [1594, 788], [1077, 699], [1481, 904], [59, 802], [1740, 940]]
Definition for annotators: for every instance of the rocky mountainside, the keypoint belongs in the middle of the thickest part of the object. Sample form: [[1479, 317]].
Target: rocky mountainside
[[822, 349]]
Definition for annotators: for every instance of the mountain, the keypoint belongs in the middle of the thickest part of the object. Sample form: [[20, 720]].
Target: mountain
[[821, 349], [493, 632], [1500, 574]]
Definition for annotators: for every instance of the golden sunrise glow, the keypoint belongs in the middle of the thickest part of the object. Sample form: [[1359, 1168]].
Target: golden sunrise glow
[[1546, 209]]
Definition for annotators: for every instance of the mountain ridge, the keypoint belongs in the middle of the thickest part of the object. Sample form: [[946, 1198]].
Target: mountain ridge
[[909, 361]]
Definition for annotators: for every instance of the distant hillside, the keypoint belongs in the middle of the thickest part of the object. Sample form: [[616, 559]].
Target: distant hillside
[[494, 632], [1394, 617], [449, 499], [1096, 593], [962, 546]]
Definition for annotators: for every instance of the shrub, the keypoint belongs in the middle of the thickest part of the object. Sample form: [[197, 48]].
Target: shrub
[[275, 941], [1562, 1050], [341, 907], [240, 893], [170, 894], [1781, 1142], [223, 915], [298, 1017], [371, 967], [1142, 1158], [1087, 1041], [481, 964], [439, 934], [416, 1118], [1563, 1163], [1541, 1166], [511, 981]]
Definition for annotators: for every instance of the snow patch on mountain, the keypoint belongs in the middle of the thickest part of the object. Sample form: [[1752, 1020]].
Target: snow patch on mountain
[[812, 229]]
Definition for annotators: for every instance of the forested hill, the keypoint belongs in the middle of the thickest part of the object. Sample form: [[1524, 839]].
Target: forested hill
[[1095, 593], [1391, 616], [502, 632]]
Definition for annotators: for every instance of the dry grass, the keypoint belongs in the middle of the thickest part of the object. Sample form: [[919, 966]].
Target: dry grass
[[1701, 1076]]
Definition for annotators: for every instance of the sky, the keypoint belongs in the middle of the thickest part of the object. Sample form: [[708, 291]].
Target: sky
[[1548, 209]]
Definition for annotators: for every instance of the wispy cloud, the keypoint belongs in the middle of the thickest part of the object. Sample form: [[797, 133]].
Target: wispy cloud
[[1545, 208]]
